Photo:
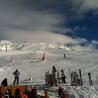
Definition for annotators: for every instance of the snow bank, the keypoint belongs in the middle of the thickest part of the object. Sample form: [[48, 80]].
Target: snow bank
[[81, 92]]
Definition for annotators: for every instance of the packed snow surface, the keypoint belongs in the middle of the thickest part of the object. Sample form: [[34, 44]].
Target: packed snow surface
[[27, 58]]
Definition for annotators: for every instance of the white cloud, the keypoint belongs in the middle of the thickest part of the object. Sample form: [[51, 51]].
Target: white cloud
[[89, 5], [22, 23], [47, 37], [81, 40], [15, 17], [81, 7], [94, 42]]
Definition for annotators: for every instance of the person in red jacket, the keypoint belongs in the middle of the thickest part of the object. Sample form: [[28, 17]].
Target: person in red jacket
[[23, 95]]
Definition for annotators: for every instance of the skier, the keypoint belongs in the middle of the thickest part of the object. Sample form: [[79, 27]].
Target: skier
[[63, 76], [16, 75], [64, 56], [4, 82]]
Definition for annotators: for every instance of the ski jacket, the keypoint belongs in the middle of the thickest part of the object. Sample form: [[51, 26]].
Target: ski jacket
[[16, 74], [23, 96], [4, 82]]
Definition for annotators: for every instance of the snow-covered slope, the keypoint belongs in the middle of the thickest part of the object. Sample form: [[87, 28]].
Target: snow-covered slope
[[27, 58]]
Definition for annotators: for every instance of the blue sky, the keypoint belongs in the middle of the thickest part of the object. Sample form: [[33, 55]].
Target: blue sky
[[76, 19], [90, 31]]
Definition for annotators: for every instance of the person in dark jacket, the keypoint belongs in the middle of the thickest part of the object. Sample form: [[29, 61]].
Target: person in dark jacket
[[10, 93], [54, 69], [17, 93], [63, 76], [34, 93], [64, 56], [61, 92], [4, 82], [16, 75]]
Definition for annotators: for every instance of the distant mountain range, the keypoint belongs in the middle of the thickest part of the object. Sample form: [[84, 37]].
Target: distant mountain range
[[6, 45]]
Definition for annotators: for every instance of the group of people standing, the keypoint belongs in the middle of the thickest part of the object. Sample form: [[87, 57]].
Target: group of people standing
[[16, 74], [56, 77]]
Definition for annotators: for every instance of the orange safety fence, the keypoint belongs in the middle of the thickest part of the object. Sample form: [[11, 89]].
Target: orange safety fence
[[22, 88], [3, 89]]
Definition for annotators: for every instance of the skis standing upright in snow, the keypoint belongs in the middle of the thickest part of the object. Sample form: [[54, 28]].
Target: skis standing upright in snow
[[81, 82]]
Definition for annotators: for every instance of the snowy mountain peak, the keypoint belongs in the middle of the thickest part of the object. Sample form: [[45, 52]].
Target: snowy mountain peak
[[29, 46]]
